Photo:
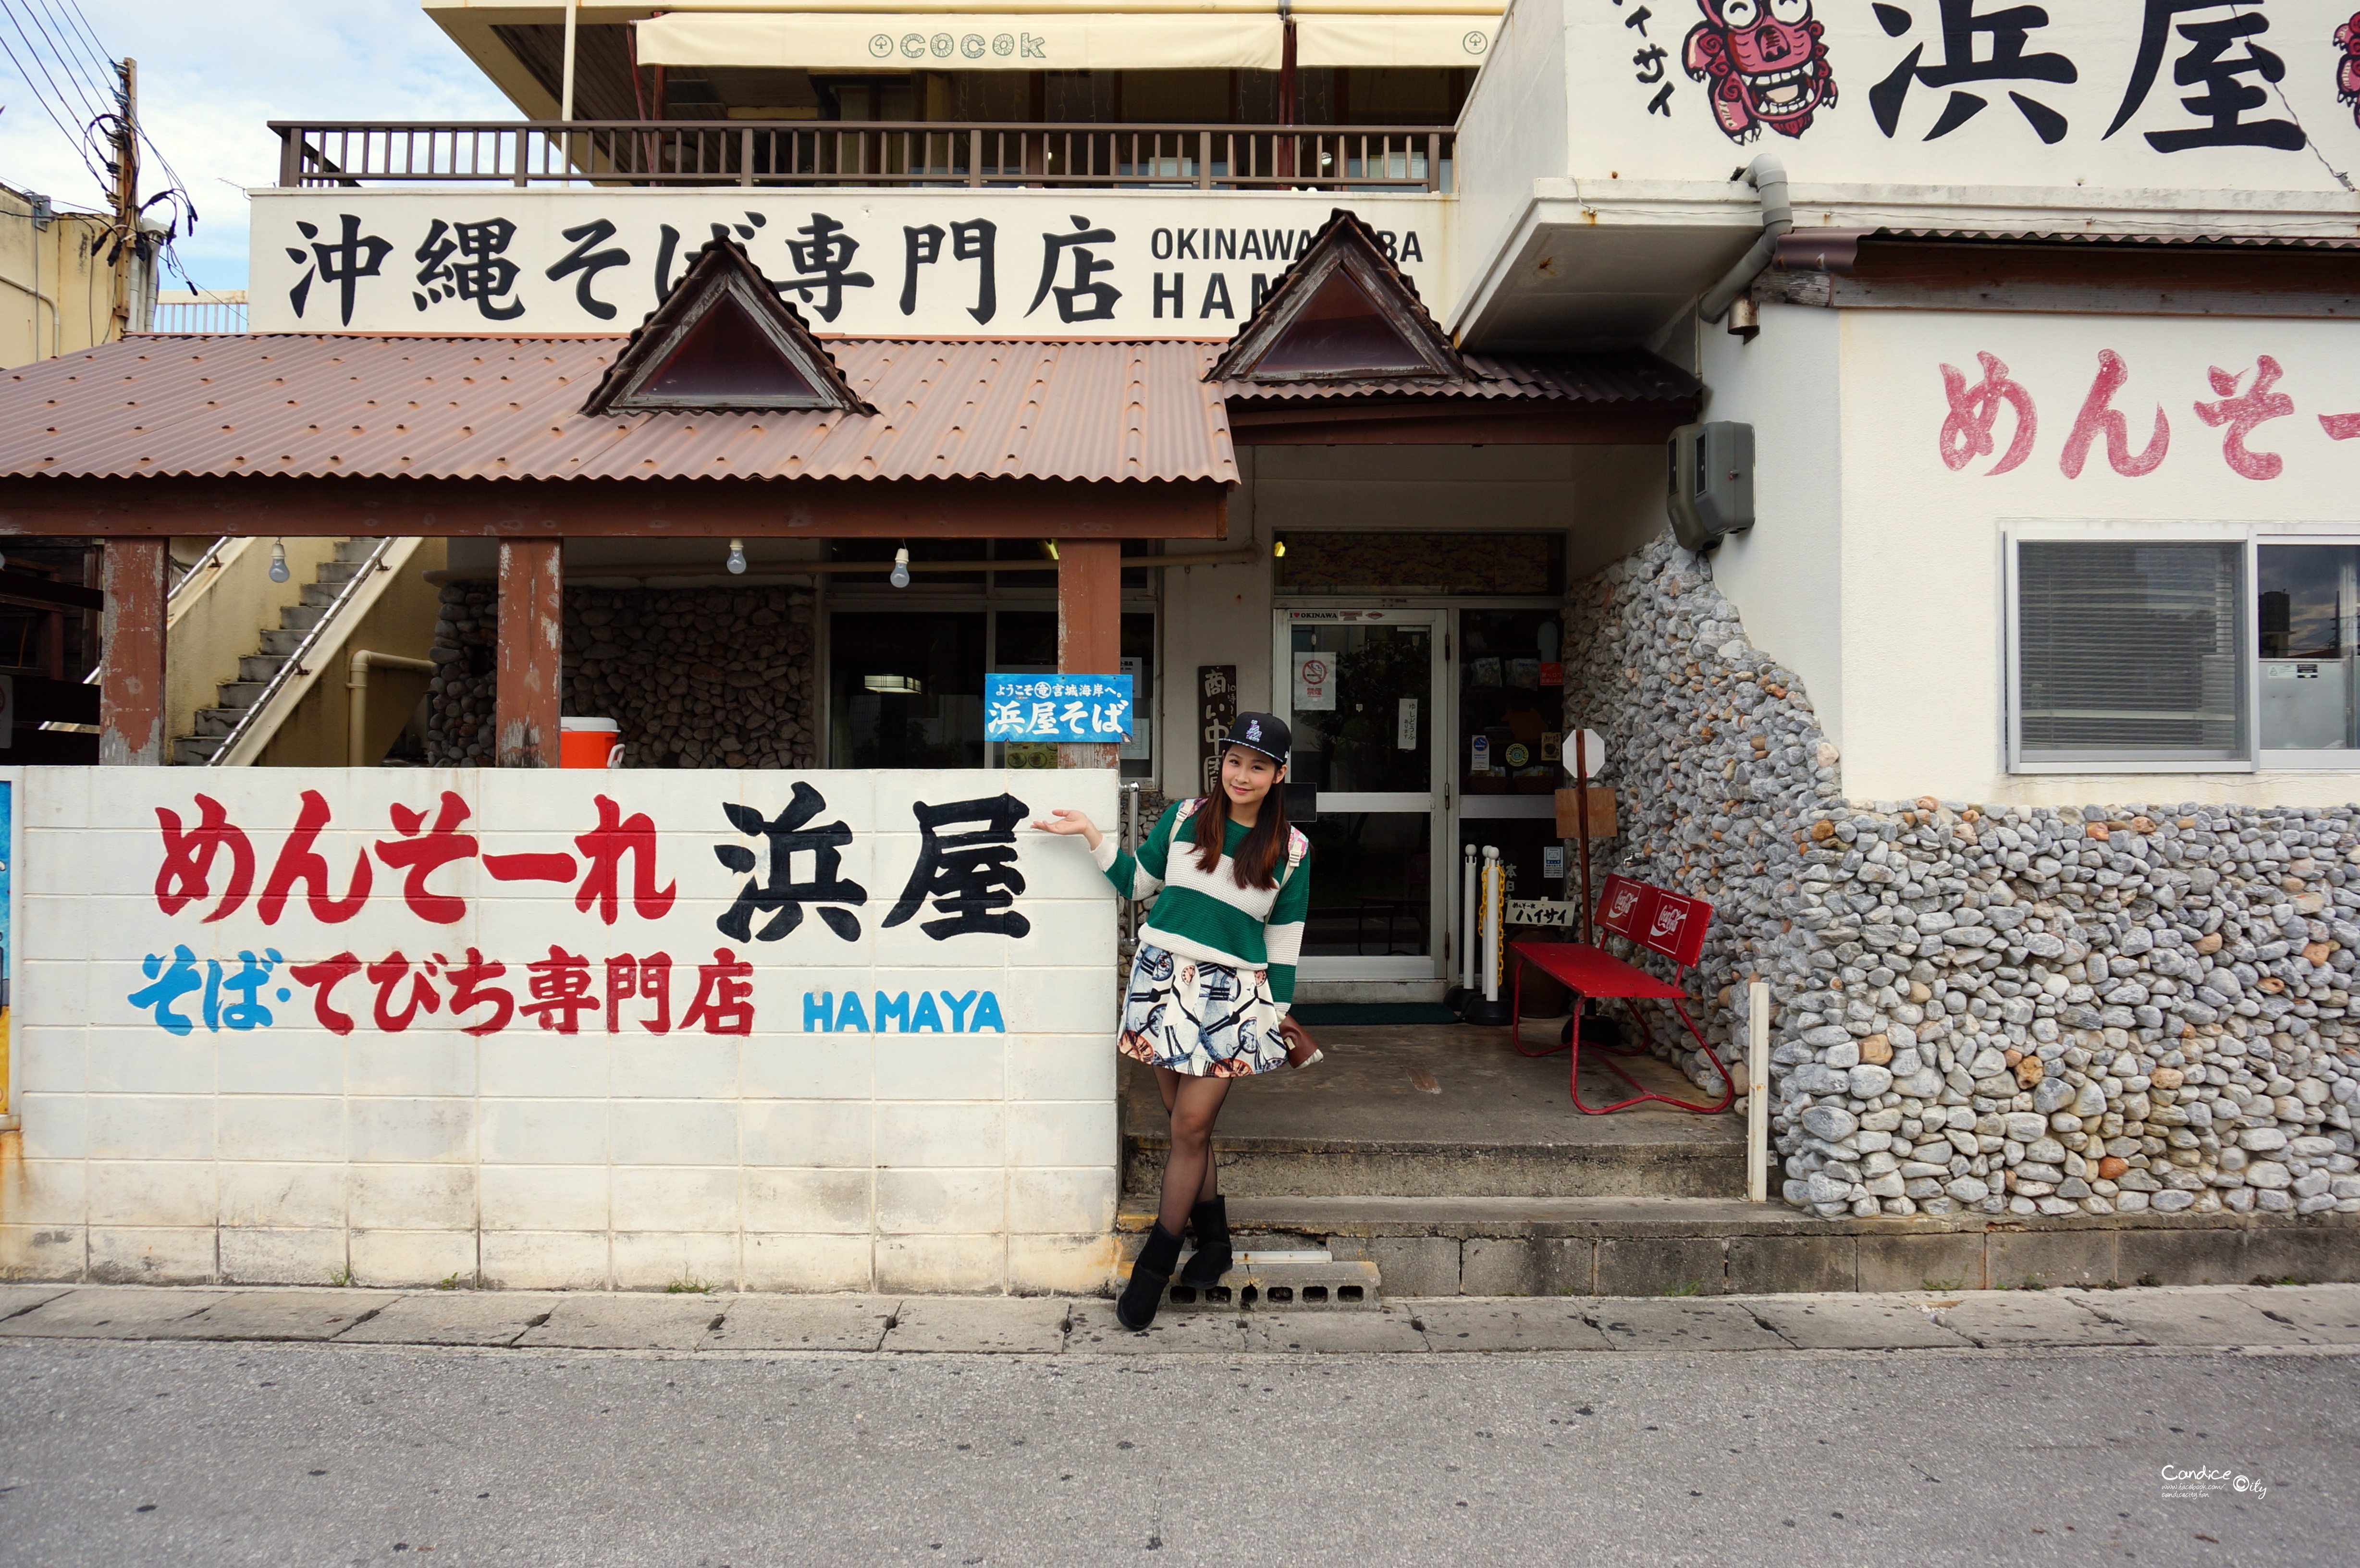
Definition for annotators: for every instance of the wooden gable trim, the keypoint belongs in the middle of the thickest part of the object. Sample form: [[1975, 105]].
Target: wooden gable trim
[[1345, 245], [721, 271]]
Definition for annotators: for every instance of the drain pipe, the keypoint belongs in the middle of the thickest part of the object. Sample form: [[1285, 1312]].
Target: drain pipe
[[1768, 176], [357, 700]]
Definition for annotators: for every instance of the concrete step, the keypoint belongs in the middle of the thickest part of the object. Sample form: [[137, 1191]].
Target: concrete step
[[261, 666], [194, 751], [279, 641], [357, 549], [336, 574], [319, 595], [215, 723], [1669, 1162], [1652, 1247], [1446, 1111], [241, 693], [302, 618]]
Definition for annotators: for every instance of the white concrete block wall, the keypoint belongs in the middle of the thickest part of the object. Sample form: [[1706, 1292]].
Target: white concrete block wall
[[789, 1158]]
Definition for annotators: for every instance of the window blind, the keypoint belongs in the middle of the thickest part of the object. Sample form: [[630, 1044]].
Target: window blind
[[2128, 650]]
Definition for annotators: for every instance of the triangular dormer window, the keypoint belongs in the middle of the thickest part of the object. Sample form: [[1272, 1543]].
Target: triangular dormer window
[[723, 341], [1342, 312]]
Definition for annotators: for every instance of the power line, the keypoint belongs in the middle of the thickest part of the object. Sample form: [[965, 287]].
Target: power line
[[83, 39], [81, 150], [89, 109]]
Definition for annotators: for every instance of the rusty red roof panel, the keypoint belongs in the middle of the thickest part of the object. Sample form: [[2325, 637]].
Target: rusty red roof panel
[[1615, 376], [317, 406]]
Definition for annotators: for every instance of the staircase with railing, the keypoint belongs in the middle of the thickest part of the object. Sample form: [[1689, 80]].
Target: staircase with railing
[[262, 673]]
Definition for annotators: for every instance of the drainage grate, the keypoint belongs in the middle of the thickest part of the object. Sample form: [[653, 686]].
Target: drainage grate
[[1295, 1281]]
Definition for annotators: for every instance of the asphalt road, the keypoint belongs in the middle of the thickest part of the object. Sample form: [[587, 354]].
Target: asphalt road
[[202, 1454]]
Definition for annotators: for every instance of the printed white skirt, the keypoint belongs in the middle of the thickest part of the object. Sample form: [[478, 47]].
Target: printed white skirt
[[1206, 1020]]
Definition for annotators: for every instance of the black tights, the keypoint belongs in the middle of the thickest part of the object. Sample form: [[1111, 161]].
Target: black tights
[[1189, 1177]]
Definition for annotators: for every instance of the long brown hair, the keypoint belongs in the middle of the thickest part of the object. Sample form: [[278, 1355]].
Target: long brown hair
[[1257, 861]]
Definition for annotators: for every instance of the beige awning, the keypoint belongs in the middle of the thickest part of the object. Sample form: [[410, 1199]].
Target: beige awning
[[1394, 39], [966, 42]]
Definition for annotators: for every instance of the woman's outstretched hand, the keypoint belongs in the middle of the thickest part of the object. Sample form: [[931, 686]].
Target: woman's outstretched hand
[[1062, 821]]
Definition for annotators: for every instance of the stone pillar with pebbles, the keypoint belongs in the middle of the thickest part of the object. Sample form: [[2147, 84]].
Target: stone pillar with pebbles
[[2003, 1009]]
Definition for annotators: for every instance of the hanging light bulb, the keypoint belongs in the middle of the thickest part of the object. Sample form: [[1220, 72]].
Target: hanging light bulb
[[738, 558], [279, 572], [1278, 546], [902, 567]]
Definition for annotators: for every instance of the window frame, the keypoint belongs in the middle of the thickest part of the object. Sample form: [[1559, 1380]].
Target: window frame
[[2252, 537], [2143, 531]]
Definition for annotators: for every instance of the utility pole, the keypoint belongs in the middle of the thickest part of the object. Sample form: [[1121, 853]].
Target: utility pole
[[127, 193]]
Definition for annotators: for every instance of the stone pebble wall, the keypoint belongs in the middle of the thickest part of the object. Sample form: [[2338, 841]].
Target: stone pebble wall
[[696, 678], [1997, 1009]]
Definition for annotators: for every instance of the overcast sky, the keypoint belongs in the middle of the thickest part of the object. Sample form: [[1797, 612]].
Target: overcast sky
[[210, 78]]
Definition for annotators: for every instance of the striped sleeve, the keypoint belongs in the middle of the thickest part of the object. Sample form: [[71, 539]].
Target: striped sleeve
[[1139, 876], [1282, 936]]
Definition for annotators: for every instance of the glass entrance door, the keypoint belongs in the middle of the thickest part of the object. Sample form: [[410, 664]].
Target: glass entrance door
[[1358, 689]]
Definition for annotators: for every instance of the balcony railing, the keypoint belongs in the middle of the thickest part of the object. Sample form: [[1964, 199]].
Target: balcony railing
[[845, 152]]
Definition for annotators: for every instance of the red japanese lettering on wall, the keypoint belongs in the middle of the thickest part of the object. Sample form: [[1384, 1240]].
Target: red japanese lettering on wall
[[560, 993], [2243, 403], [422, 842]]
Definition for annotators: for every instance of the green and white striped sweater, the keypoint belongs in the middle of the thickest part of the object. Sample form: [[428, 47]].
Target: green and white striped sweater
[[1207, 915]]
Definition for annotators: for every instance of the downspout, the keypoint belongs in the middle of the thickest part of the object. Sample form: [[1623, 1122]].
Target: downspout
[[1768, 176], [40, 299], [357, 702]]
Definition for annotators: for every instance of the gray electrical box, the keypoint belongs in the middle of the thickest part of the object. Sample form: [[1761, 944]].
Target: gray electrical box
[[1710, 484]]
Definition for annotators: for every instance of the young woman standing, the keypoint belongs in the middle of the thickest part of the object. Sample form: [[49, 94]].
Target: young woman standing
[[1212, 980]]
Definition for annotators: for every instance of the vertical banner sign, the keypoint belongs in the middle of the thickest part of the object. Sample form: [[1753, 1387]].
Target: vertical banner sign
[[1216, 710]]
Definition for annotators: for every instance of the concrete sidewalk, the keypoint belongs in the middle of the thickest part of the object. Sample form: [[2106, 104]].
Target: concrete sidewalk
[[2286, 1317]]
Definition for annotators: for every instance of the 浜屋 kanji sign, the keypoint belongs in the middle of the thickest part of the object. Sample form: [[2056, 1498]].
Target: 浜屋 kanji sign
[[2202, 96], [557, 1027]]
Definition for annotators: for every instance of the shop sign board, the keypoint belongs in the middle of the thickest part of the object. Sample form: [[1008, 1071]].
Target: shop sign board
[[1070, 708], [952, 262], [2148, 95], [1216, 710], [880, 1000]]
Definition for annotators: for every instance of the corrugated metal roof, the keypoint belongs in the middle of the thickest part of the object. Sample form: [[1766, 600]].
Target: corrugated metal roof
[[1623, 376], [320, 405]]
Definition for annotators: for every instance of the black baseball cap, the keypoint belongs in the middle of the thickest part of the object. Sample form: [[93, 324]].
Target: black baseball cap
[[1264, 733]]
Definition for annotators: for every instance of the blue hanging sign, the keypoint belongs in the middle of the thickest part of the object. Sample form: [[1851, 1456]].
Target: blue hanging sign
[[1057, 708]]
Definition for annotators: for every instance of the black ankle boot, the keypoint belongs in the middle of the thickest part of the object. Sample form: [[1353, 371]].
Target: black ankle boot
[[1135, 1307], [1210, 1221]]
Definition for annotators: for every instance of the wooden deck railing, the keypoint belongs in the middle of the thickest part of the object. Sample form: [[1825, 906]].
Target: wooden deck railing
[[888, 153]]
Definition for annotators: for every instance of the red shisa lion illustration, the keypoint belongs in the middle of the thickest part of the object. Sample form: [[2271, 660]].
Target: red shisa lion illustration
[[1766, 62], [2348, 70]]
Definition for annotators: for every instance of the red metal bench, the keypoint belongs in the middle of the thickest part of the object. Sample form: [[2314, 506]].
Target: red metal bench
[[1655, 919]]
